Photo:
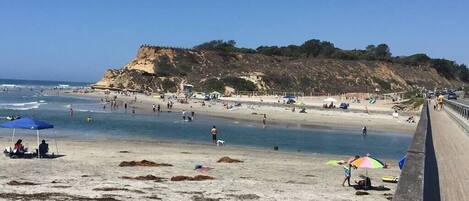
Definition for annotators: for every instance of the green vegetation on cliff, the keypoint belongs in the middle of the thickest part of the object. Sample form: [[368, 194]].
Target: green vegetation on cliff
[[325, 49], [314, 67]]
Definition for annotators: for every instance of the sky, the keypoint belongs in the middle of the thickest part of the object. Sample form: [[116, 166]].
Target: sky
[[79, 40]]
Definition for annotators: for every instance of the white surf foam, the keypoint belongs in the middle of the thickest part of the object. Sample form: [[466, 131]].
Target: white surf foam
[[21, 106]]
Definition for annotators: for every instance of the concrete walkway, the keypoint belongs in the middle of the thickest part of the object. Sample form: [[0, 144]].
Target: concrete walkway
[[452, 154]]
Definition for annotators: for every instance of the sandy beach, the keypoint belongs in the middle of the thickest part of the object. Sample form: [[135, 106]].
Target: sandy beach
[[90, 171], [377, 117]]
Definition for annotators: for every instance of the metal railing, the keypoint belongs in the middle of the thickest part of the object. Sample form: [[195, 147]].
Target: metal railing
[[459, 108], [419, 176]]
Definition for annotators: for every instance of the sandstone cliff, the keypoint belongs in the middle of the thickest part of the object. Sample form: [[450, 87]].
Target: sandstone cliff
[[157, 69]]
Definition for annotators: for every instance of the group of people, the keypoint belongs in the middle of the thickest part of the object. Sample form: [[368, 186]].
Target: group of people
[[328, 106], [156, 108], [410, 119], [19, 150], [439, 103], [169, 105], [114, 105], [187, 117]]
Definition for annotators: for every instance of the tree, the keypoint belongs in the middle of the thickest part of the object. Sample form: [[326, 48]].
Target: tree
[[463, 73], [445, 67], [416, 59], [327, 49], [371, 48], [382, 52], [311, 47], [269, 50], [217, 45]]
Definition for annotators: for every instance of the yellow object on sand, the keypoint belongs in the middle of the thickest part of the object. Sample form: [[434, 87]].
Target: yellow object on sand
[[335, 162], [390, 179]]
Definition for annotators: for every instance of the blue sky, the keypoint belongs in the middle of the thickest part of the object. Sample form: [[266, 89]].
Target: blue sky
[[78, 40]]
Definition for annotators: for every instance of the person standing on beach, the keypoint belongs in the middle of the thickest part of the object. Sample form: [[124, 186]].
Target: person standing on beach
[[154, 107], [364, 131], [167, 105], [159, 108], [348, 170], [214, 133], [125, 106]]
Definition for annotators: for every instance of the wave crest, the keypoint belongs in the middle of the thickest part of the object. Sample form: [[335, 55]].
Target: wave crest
[[21, 106]]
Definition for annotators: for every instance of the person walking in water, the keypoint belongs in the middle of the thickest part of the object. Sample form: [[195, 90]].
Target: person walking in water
[[71, 111], [214, 133], [264, 119], [159, 108], [364, 131]]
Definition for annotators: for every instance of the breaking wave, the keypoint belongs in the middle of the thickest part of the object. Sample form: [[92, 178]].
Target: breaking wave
[[21, 106]]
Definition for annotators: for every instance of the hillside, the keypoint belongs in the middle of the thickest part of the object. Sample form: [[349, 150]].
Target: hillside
[[157, 69]]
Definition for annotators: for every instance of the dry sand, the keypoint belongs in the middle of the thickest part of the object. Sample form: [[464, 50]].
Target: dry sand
[[90, 170]]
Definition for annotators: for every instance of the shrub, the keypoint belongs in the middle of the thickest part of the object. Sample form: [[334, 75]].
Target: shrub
[[169, 85]]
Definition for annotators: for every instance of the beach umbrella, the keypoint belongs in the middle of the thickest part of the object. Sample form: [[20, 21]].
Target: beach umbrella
[[29, 124], [330, 100], [368, 162], [402, 162], [350, 160]]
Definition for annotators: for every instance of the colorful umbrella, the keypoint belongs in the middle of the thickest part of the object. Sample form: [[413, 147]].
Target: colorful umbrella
[[350, 160], [368, 162]]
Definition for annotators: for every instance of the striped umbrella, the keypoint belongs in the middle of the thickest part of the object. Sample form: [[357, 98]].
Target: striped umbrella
[[368, 162]]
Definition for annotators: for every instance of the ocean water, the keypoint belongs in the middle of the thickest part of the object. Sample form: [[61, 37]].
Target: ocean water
[[25, 99]]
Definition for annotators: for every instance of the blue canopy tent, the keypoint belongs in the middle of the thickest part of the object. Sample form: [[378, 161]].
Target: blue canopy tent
[[27, 123]]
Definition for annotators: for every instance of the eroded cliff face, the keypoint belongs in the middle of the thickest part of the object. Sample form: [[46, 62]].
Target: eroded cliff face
[[147, 59], [157, 69]]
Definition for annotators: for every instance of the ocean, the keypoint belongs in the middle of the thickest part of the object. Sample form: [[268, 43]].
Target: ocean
[[26, 98]]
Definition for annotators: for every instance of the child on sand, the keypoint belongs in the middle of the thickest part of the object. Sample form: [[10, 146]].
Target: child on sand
[[348, 170]]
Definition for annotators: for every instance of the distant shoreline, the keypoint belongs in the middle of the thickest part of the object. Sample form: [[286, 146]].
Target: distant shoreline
[[377, 121]]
